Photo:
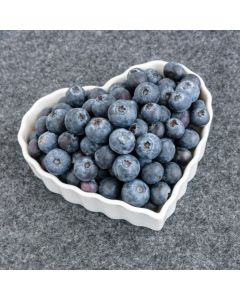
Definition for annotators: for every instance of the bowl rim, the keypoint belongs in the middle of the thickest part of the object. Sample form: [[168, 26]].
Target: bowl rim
[[138, 210]]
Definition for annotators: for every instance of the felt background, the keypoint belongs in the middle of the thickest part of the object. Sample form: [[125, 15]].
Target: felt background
[[40, 230]]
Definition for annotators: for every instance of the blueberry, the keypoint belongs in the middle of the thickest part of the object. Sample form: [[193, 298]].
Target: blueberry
[[174, 71], [76, 156], [88, 147], [198, 104], [116, 85], [68, 142], [190, 88], [183, 116], [87, 105], [95, 92], [139, 127], [135, 193], [104, 157], [45, 112], [157, 128], [148, 145], [102, 174], [126, 167], [190, 139], [121, 93], [55, 121], [33, 135], [70, 178], [89, 186], [136, 76], [167, 82], [153, 76], [98, 130], [47, 141], [75, 96], [62, 106], [85, 169], [167, 152], [174, 128], [57, 162], [122, 113], [62, 100], [164, 113], [179, 101], [151, 206], [165, 91], [110, 188], [193, 78], [152, 173], [182, 156], [172, 173], [101, 105], [151, 112], [199, 117], [159, 193], [122, 141], [146, 92], [76, 119], [144, 161], [33, 149], [40, 125], [41, 162]]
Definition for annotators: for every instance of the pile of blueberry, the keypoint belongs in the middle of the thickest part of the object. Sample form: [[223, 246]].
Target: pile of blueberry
[[130, 143]]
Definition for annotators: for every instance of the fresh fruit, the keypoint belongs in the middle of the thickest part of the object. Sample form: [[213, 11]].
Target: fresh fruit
[[146, 92], [40, 125], [190, 139], [182, 116], [76, 119], [88, 147], [152, 173], [85, 168], [139, 127], [193, 78], [190, 88], [98, 130], [179, 101], [47, 141], [167, 152], [174, 128], [199, 117], [57, 162], [136, 193], [126, 167], [68, 142], [174, 71], [159, 193], [122, 113], [172, 173], [55, 121], [153, 76], [101, 104], [75, 96], [70, 178], [157, 128], [122, 141], [148, 146], [121, 93], [33, 148], [110, 188], [104, 157], [45, 112], [94, 93], [182, 156], [89, 186], [136, 76], [62, 105]]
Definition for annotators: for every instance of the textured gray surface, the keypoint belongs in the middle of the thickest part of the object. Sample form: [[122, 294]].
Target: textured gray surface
[[39, 230]]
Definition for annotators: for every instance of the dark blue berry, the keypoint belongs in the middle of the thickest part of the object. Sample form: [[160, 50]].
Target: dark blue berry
[[70, 178], [85, 169], [199, 117], [122, 113], [87, 105], [148, 146], [157, 128], [153, 76], [121, 93], [146, 92], [104, 157], [101, 104], [94, 93], [136, 76], [40, 125], [88, 147], [89, 186], [152, 173], [135, 193], [76, 119], [159, 193], [62, 106], [174, 71], [198, 104], [167, 152], [110, 188], [192, 77], [33, 148], [172, 173], [57, 162], [139, 127], [68, 142], [45, 112], [55, 121], [122, 141], [174, 128], [98, 130], [190, 139], [126, 167], [183, 116], [47, 141], [190, 88], [182, 156], [180, 101], [75, 96]]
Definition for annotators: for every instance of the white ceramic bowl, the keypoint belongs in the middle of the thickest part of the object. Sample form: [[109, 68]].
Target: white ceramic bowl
[[114, 209]]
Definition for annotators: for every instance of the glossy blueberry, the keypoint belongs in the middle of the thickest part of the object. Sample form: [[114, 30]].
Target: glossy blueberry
[[167, 82], [70, 178], [88, 147], [190, 88], [57, 162], [198, 104], [110, 188], [76, 119], [172, 173], [190, 139], [122, 141], [98, 130], [167, 152], [174, 128], [159, 193], [104, 157], [102, 174], [121, 93], [55, 121], [122, 113], [89, 186], [76, 155], [40, 125], [144, 161], [146, 92], [152, 173], [75, 96], [139, 127], [33, 148], [62, 106], [183, 116], [157, 128], [126, 167], [174, 71], [45, 112], [151, 112], [87, 105], [153, 76], [47, 141], [148, 145], [135, 193], [135, 77], [182, 156], [68, 142], [193, 78], [179, 101], [85, 169], [94, 93], [33, 135], [101, 105], [199, 117]]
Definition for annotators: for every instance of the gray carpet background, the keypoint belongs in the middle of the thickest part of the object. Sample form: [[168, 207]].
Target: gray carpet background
[[40, 230]]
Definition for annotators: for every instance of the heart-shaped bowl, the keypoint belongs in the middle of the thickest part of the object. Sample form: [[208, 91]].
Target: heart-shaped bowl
[[115, 209]]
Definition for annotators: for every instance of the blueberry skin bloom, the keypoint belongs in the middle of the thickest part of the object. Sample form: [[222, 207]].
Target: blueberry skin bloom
[[101, 105], [40, 125], [144, 161], [76, 119], [182, 156], [172, 173], [174, 128], [87, 105], [120, 93], [33, 148], [198, 104], [126, 167], [57, 162], [190, 88], [148, 146], [183, 116], [61, 105], [89, 186], [55, 121], [168, 151], [47, 141], [68, 142], [104, 157], [70, 178], [157, 128], [166, 89], [174, 71], [193, 78], [152, 173], [136, 76], [151, 112], [94, 93], [135, 193], [98, 130], [122, 113], [167, 82], [179, 101], [122, 141], [75, 96], [139, 127], [85, 169], [110, 188], [159, 193], [153, 76], [146, 92], [189, 140], [199, 117], [88, 147]]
